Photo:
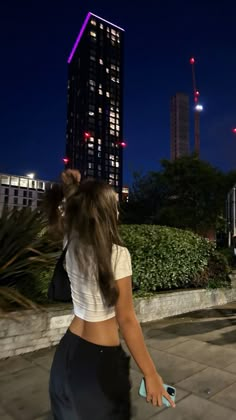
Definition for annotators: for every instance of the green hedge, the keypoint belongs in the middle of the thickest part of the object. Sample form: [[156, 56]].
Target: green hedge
[[167, 258]]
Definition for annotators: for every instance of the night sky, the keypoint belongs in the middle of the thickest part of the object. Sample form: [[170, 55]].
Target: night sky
[[161, 36]]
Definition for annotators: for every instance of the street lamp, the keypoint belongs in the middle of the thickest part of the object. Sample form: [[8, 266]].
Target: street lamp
[[31, 175]]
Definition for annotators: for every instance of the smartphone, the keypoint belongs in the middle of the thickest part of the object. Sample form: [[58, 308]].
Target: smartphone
[[170, 389]]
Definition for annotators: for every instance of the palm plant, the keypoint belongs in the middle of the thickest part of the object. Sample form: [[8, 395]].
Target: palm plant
[[26, 251]]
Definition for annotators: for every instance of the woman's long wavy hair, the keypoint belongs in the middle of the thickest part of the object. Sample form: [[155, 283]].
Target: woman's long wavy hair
[[90, 221]]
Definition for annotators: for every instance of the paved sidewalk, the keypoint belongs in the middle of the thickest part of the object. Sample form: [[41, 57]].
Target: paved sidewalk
[[195, 352]]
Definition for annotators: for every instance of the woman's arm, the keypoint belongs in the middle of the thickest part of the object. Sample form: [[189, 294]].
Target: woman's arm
[[133, 336]]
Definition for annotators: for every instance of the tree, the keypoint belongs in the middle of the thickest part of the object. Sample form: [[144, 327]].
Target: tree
[[187, 193]]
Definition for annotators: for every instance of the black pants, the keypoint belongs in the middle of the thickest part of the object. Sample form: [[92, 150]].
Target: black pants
[[89, 381]]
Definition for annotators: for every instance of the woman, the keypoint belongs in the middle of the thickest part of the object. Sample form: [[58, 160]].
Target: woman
[[90, 372]]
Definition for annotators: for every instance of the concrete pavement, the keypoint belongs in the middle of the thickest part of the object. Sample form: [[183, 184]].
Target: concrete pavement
[[196, 353]]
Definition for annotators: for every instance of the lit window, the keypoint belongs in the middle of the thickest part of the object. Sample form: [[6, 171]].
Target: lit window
[[118, 68], [113, 67], [91, 165], [100, 91], [99, 141], [99, 148], [111, 176], [91, 145], [93, 22], [108, 94], [14, 181], [117, 128], [112, 163], [100, 61], [117, 183], [117, 116], [117, 164], [111, 182], [99, 154], [92, 88], [112, 120], [113, 31], [100, 110], [93, 34], [113, 79], [92, 82], [91, 113], [24, 182], [100, 86], [117, 80], [91, 139], [108, 29], [112, 157], [107, 70], [112, 126], [112, 114], [101, 26], [112, 132], [113, 38]]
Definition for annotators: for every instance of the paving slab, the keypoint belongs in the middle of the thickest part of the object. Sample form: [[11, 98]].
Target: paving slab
[[231, 368], [162, 340], [196, 408], [172, 368], [14, 364], [205, 353], [24, 394], [208, 382], [227, 397], [4, 415]]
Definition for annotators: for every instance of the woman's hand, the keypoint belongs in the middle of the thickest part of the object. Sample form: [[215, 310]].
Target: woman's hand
[[155, 390], [71, 176]]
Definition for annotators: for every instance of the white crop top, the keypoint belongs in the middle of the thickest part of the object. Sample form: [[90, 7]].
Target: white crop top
[[87, 298]]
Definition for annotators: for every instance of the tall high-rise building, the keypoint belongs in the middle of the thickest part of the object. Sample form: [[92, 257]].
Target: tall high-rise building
[[94, 135], [179, 126]]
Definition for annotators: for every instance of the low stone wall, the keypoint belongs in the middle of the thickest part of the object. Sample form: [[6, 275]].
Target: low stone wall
[[165, 305], [26, 331]]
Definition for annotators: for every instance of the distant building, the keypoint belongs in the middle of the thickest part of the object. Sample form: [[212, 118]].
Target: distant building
[[125, 194], [179, 126], [94, 134], [21, 191], [231, 217]]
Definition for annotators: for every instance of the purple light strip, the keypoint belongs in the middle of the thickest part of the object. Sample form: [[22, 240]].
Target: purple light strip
[[79, 37], [104, 20]]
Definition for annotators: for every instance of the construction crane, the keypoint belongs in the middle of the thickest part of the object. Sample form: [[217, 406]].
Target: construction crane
[[197, 110]]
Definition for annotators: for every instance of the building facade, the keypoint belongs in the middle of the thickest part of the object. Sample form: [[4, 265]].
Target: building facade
[[94, 134], [21, 191], [179, 126]]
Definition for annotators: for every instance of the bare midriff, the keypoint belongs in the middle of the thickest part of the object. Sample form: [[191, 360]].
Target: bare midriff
[[104, 333]]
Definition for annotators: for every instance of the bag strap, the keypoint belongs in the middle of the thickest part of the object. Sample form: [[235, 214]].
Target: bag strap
[[63, 254]]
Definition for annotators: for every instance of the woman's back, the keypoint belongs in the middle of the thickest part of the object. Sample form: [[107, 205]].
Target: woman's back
[[94, 320]]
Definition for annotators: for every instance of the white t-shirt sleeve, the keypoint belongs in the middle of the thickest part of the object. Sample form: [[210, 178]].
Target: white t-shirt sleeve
[[121, 262]]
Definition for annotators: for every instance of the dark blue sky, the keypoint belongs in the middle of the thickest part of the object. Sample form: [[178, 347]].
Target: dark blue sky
[[36, 39]]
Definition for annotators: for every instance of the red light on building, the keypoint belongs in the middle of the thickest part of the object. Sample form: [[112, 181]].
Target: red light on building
[[123, 144], [192, 60], [197, 93], [65, 160], [86, 135], [234, 130]]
